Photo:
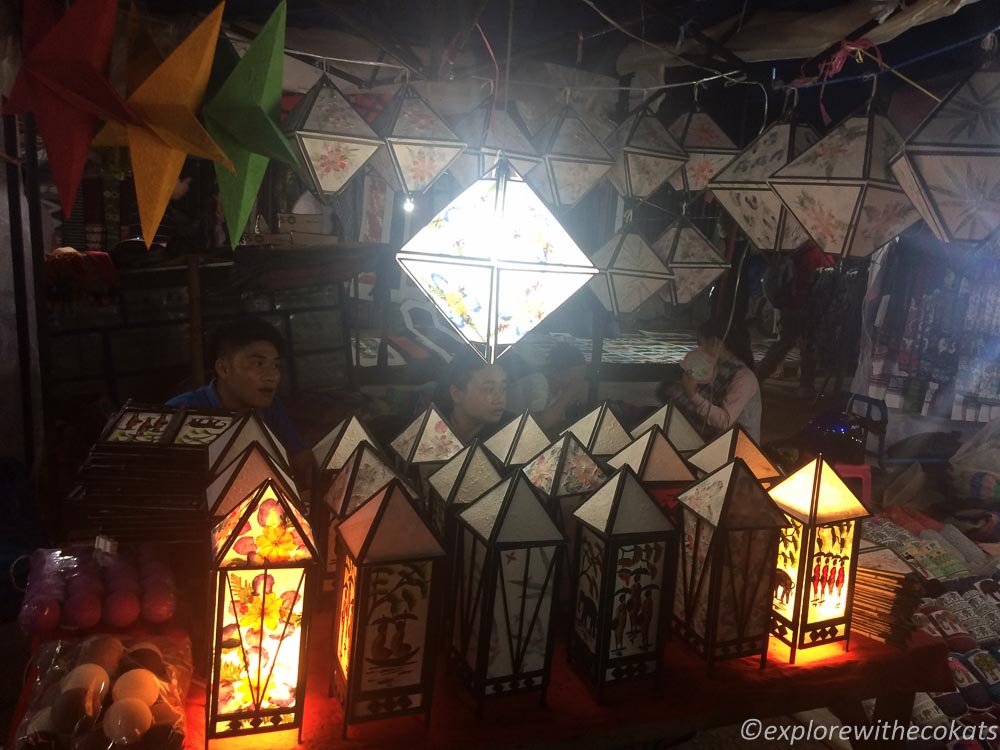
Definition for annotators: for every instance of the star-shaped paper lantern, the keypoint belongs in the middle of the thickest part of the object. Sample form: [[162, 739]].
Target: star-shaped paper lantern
[[334, 140], [654, 459], [574, 160], [736, 443], [496, 262], [421, 145], [743, 191], [692, 260], [489, 132], [63, 82], [842, 191], [950, 165], [682, 435], [166, 102], [600, 431], [708, 147], [631, 273], [243, 117], [645, 154], [517, 441]]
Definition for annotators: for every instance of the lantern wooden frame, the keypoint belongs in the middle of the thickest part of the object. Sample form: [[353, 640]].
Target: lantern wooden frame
[[600, 431], [678, 429], [736, 443], [517, 441], [457, 484], [655, 460], [237, 480]]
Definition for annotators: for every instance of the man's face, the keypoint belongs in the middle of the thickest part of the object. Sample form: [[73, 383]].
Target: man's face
[[251, 374], [484, 397]]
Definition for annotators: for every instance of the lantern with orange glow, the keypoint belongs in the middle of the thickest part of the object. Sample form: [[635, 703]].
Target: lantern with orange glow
[[736, 443], [237, 480], [264, 556], [817, 558]]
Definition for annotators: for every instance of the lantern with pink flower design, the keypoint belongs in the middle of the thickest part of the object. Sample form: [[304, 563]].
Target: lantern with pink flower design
[[708, 148], [264, 555], [573, 160]]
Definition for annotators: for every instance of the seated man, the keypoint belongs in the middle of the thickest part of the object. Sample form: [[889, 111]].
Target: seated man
[[473, 396], [246, 355]]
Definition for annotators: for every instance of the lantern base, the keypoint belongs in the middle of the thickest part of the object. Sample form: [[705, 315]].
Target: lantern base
[[821, 634], [722, 651], [599, 674]]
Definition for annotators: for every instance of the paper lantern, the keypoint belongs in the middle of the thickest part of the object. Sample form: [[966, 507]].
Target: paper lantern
[[465, 477], [243, 431], [333, 450], [600, 432], [654, 460], [573, 159], [495, 262], [817, 558], [421, 145], [564, 473], [489, 132], [691, 259], [948, 165], [507, 559], [518, 441], [384, 663], [708, 148], [201, 427], [742, 189], [736, 443], [722, 598], [334, 140], [645, 153], [426, 444], [236, 481], [624, 546], [842, 191], [675, 426], [631, 273], [264, 555]]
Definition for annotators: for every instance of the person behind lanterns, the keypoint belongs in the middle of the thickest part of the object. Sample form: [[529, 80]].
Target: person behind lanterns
[[554, 397], [246, 355], [473, 396]]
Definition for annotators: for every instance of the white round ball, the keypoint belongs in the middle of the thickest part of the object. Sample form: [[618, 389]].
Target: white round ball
[[139, 684], [127, 721]]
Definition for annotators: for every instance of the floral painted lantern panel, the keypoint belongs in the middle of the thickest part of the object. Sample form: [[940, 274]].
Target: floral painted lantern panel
[[333, 450], [645, 154], [564, 473], [235, 482], [465, 477], [600, 431], [384, 661], [817, 558], [842, 191], [949, 165], [264, 554], [620, 573], [654, 459], [722, 598], [708, 147], [692, 260], [518, 441], [574, 160], [243, 431], [743, 191], [679, 431], [428, 439], [736, 443], [495, 262], [631, 273], [334, 140], [489, 132]]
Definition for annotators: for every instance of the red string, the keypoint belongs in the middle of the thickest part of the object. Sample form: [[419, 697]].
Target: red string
[[835, 64]]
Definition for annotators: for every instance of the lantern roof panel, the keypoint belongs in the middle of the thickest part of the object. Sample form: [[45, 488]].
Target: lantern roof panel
[[698, 131], [489, 129], [333, 161], [600, 431], [428, 438], [388, 528], [631, 290], [826, 211], [364, 473], [518, 440], [735, 443], [815, 494], [333, 450], [653, 458], [409, 116], [246, 472], [758, 161], [968, 116], [567, 135], [324, 109], [242, 432], [483, 514], [572, 179], [839, 155], [622, 506], [465, 476], [675, 426], [564, 468], [683, 244], [419, 165], [732, 498], [649, 134]]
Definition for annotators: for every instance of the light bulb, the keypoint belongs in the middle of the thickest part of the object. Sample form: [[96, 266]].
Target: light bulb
[[408, 204]]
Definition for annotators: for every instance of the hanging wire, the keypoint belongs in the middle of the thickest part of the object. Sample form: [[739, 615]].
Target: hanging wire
[[510, 40], [326, 58], [494, 84]]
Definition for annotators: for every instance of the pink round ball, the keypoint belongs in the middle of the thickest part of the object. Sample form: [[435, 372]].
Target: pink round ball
[[85, 585], [82, 611], [158, 581], [124, 584], [121, 609], [39, 615], [158, 604]]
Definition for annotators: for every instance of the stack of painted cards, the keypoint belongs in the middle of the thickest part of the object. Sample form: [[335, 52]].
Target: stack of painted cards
[[886, 594]]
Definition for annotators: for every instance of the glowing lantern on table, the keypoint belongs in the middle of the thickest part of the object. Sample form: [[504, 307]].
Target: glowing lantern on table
[[817, 558], [384, 656], [630, 273], [426, 444], [600, 432], [465, 477], [742, 189], [842, 191], [234, 483], [654, 459], [573, 160], [675, 426], [708, 147], [507, 555], [948, 165], [264, 554], [564, 473], [489, 132], [692, 260], [241, 433], [495, 262], [333, 450], [722, 598], [518, 441], [623, 548], [736, 443], [645, 153], [334, 140]]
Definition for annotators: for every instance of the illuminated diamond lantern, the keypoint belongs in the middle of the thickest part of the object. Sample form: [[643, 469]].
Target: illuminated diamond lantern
[[630, 273], [264, 555], [645, 154], [736, 443], [654, 460], [236, 481], [817, 558], [334, 140], [575, 161], [725, 578], [421, 145], [489, 132], [332, 451], [949, 164], [692, 260], [679, 431], [518, 441], [742, 189], [708, 147], [842, 191], [238, 436], [465, 477], [564, 473], [385, 657], [496, 262], [624, 547]]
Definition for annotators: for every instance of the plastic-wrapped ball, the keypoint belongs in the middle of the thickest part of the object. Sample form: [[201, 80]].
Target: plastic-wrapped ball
[[39, 615], [74, 711], [163, 713], [82, 611], [158, 604], [104, 650], [41, 722], [89, 677], [129, 584], [140, 684], [127, 721], [121, 609], [145, 655], [85, 585]]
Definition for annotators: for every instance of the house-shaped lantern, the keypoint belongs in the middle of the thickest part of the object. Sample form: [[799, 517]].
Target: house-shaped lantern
[[679, 431], [489, 132], [573, 160], [842, 191], [507, 559], [654, 460], [620, 572], [722, 599], [334, 141], [600, 432], [817, 558], [384, 647], [692, 260], [243, 431], [564, 473], [496, 262], [465, 477], [631, 273], [264, 555], [332, 451], [518, 441], [743, 191], [736, 443], [234, 483], [708, 147], [645, 153], [948, 165], [425, 445]]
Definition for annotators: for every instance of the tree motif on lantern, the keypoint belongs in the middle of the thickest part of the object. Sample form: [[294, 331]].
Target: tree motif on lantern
[[736, 443], [679, 431]]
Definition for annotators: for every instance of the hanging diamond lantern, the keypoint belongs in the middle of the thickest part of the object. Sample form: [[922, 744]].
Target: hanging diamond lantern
[[708, 147], [574, 160], [490, 131], [645, 154], [630, 273], [692, 260]]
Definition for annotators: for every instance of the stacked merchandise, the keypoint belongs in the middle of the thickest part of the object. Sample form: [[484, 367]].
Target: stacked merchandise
[[887, 592]]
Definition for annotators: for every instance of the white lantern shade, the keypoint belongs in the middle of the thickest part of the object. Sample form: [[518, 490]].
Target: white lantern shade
[[428, 439], [708, 147], [692, 260], [517, 441], [600, 431], [238, 436], [645, 154], [332, 451], [236, 481], [630, 273], [575, 161], [490, 132], [653, 458], [736, 443], [682, 435]]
